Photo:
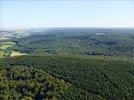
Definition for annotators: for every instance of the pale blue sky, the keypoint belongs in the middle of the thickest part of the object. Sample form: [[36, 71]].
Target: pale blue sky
[[63, 13]]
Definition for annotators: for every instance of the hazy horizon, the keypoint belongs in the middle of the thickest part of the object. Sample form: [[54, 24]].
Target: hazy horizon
[[63, 14]]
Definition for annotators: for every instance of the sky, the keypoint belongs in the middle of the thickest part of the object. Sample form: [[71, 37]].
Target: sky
[[66, 13]]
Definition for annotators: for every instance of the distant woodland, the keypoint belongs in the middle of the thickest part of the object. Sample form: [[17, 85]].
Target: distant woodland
[[67, 64]]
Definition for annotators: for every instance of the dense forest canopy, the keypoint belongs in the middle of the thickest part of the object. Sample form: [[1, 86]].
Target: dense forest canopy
[[79, 41], [67, 64]]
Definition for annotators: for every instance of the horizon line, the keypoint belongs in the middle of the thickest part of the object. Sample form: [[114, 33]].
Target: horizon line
[[60, 27]]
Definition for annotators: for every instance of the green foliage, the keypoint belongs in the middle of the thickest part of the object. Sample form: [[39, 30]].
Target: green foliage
[[83, 43], [67, 64], [21, 82], [93, 78]]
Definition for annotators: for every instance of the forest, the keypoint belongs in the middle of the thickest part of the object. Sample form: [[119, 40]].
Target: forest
[[67, 64]]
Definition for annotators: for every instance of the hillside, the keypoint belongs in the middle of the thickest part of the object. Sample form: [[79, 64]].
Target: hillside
[[67, 64], [90, 78]]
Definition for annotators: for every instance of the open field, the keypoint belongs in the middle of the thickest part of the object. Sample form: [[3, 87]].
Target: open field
[[17, 53], [5, 46], [7, 42], [4, 38], [1, 53]]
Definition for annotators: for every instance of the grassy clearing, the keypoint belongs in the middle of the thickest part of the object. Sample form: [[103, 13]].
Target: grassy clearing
[[9, 43], [20, 34], [1, 53], [4, 38], [5, 46], [4, 52], [17, 53]]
